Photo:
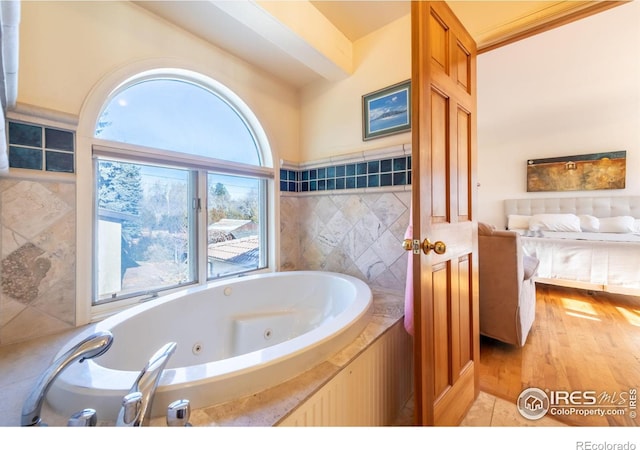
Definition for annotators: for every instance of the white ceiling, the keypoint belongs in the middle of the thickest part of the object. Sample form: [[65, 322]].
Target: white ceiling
[[249, 31]]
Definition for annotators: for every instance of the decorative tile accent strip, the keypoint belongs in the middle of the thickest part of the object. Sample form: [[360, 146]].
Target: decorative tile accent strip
[[38, 147], [392, 168]]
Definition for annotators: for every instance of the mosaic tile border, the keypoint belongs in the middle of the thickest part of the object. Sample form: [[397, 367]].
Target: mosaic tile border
[[391, 168]]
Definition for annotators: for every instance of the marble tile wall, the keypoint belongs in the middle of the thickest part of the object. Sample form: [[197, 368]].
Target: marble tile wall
[[359, 233], [37, 250]]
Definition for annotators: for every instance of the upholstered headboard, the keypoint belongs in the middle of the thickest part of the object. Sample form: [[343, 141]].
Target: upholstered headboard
[[595, 206]]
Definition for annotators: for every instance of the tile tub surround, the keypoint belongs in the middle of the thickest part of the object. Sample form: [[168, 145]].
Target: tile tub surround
[[359, 234], [38, 254], [22, 363], [352, 219]]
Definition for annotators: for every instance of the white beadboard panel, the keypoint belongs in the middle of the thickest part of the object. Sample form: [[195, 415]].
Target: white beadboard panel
[[370, 391]]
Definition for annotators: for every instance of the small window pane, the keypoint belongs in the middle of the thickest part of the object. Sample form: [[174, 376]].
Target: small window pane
[[235, 238], [23, 134], [178, 116], [145, 228], [59, 162], [58, 139], [25, 158]]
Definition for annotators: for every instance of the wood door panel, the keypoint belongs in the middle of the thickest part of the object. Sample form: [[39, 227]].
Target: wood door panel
[[450, 409], [439, 156], [463, 144], [464, 313], [439, 40], [441, 328], [463, 66], [453, 327], [445, 285]]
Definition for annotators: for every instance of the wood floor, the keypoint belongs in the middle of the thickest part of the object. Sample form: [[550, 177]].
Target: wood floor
[[580, 341]]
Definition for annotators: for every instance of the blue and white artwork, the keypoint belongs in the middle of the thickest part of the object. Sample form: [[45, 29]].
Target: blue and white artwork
[[387, 111]]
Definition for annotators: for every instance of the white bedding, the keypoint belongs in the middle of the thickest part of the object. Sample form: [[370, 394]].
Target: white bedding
[[591, 260], [602, 265], [583, 236]]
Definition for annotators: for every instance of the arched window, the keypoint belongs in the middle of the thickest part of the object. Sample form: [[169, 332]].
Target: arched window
[[173, 114], [181, 188]]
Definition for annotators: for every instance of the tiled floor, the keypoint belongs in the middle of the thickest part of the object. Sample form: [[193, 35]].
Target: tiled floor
[[487, 411]]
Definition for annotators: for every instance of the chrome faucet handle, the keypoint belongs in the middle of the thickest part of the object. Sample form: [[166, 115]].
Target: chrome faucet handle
[[85, 418], [137, 405], [131, 407], [178, 413], [90, 347]]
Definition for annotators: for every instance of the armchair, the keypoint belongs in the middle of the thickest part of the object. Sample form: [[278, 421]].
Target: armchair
[[506, 284]]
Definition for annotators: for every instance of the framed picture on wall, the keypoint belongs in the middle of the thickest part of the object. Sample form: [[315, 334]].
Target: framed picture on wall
[[386, 111], [589, 172]]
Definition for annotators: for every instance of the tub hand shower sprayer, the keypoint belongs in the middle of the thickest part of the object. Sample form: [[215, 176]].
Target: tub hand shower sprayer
[[90, 347]]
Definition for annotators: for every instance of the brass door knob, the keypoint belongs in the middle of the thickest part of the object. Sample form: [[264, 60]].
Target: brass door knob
[[438, 247], [407, 244]]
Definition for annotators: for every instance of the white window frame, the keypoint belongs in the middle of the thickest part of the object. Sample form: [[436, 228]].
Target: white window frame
[[87, 144]]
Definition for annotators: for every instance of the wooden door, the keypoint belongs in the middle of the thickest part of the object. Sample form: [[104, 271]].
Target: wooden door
[[446, 320]]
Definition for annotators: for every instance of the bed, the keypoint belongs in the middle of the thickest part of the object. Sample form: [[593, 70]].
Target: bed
[[587, 242]]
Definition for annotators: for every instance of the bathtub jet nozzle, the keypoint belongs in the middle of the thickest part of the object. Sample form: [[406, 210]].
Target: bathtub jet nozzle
[[90, 347]]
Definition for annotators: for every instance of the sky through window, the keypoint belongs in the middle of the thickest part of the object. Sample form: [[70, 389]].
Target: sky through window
[[178, 116]]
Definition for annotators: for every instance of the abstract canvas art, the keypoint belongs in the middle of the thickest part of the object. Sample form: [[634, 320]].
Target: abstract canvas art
[[577, 173]]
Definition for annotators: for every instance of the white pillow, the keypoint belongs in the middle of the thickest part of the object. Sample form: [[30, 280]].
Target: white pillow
[[620, 224], [637, 226], [555, 222], [518, 222], [589, 223]]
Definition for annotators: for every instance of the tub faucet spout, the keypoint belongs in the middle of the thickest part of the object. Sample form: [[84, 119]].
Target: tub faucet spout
[[91, 347], [136, 405]]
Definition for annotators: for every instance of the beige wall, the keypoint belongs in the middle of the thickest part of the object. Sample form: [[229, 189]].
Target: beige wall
[[66, 48], [331, 112], [570, 91], [69, 52], [60, 65]]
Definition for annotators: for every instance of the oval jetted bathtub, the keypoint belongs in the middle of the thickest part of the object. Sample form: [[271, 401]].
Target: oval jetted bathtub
[[234, 338]]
